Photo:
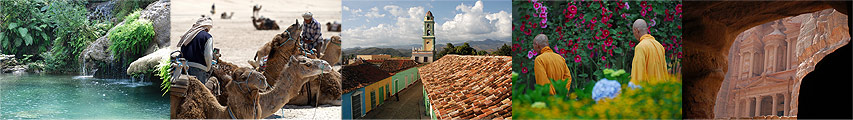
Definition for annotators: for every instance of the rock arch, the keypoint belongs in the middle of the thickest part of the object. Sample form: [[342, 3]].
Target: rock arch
[[712, 28]]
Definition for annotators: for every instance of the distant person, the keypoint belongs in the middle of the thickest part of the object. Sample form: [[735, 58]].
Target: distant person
[[311, 32], [197, 48], [649, 62], [549, 65]]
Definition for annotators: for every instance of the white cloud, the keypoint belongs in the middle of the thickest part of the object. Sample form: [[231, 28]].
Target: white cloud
[[355, 12], [394, 10], [345, 8], [474, 24], [407, 29], [469, 24], [374, 13]]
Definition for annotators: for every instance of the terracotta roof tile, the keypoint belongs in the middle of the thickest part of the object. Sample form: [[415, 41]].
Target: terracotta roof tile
[[357, 76], [394, 66], [469, 87]]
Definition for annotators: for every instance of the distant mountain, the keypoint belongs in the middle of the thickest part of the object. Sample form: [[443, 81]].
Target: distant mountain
[[487, 45], [376, 51], [406, 50]]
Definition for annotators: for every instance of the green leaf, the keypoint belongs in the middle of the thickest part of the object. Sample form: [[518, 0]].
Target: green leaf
[[18, 42], [13, 25], [28, 39]]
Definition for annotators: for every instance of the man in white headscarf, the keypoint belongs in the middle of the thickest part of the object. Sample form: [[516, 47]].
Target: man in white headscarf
[[196, 46]]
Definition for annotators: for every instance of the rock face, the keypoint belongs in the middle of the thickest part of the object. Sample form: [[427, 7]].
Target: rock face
[[712, 28], [97, 59], [768, 61]]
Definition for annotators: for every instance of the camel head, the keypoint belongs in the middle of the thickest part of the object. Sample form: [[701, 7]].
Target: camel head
[[295, 28], [249, 79], [287, 40], [308, 67], [285, 43]]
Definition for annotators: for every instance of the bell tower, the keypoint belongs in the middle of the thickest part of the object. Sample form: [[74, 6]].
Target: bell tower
[[425, 53], [429, 32]]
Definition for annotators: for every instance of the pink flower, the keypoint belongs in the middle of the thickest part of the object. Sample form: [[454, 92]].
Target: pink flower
[[643, 13], [531, 54], [589, 46], [603, 59], [523, 69], [593, 20], [679, 54], [574, 49], [537, 5], [571, 11], [544, 20], [678, 8], [605, 33], [627, 6], [577, 58]]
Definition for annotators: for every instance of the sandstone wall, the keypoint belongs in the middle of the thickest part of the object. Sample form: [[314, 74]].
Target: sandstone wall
[[812, 35]]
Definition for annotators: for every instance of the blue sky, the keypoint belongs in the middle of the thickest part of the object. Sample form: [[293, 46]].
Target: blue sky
[[387, 23]]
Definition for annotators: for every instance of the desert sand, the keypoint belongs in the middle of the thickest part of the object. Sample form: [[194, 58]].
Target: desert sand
[[238, 40]]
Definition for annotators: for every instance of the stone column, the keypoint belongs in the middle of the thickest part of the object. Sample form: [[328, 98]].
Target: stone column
[[787, 105], [758, 105], [737, 108], [774, 105]]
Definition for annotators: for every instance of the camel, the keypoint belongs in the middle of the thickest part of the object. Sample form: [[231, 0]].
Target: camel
[[261, 22], [332, 51], [276, 52], [246, 100], [287, 44], [333, 27], [325, 90], [226, 16]]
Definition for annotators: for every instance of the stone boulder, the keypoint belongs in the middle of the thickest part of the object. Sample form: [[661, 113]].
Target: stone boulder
[[97, 59]]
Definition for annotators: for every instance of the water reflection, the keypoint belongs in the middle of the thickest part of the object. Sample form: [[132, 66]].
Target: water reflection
[[59, 97]]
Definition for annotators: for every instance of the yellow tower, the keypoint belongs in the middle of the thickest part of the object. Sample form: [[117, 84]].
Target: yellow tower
[[429, 32], [425, 53]]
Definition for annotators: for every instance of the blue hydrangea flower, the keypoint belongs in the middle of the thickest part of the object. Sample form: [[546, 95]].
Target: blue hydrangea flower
[[605, 88], [634, 86]]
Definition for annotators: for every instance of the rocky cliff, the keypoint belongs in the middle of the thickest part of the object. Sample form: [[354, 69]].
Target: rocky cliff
[[97, 59], [814, 35]]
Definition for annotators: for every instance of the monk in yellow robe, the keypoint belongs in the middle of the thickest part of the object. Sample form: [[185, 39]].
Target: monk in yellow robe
[[649, 60], [549, 65]]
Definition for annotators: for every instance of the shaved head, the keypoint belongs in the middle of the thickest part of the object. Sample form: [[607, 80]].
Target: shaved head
[[539, 42], [640, 28]]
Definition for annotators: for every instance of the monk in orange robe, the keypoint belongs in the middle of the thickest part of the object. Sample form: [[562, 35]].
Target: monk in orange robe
[[649, 60], [549, 65]]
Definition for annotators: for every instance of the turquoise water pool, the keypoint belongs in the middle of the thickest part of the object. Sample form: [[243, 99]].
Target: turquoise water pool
[[79, 97]]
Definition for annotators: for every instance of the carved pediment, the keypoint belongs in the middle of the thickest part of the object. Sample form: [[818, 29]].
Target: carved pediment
[[760, 81]]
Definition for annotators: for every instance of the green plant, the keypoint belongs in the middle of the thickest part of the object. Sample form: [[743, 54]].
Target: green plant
[[465, 49], [131, 39], [659, 99], [503, 51], [126, 7], [164, 70], [24, 26], [73, 33], [592, 35]]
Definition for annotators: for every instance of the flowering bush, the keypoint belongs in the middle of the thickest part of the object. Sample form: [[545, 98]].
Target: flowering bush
[[591, 35], [658, 99], [605, 88]]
